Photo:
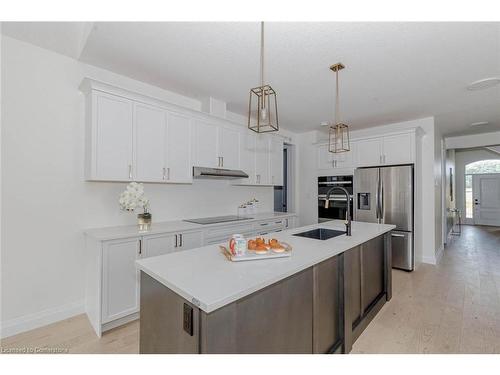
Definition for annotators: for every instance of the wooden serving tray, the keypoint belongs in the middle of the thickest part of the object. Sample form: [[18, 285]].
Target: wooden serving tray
[[251, 255]]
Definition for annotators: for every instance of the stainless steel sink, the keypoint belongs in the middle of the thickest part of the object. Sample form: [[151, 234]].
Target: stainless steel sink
[[320, 233]]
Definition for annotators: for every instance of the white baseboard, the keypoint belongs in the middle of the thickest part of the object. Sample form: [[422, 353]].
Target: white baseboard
[[31, 321], [434, 259], [439, 254]]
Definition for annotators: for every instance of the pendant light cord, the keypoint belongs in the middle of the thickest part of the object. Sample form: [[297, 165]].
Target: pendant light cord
[[262, 64], [337, 109]]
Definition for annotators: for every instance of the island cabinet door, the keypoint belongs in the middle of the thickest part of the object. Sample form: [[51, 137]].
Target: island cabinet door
[[169, 324], [120, 290], [364, 286], [372, 253], [327, 299], [274, 320]]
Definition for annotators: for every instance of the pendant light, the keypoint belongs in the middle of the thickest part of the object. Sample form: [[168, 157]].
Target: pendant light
[[339, 132], [263, 109]]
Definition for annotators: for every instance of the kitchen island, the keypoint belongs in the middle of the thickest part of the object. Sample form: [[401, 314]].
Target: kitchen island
[[318, 300]]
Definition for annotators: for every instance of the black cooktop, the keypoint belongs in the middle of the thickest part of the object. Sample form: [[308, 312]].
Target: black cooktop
[[217, 219]]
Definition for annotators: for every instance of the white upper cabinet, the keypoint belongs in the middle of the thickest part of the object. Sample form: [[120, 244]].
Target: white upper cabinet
[[262, 160], [325, 157], [111, 133], [276, 160], [247, 162], [399, 149], [179, 139], [130, 137], [329, 160], [369, 152], [151, 139], [390, 149], [229, 147], [206, 145], [163, 146]]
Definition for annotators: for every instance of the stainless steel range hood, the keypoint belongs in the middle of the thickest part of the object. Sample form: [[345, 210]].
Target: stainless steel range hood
[[218, 173]]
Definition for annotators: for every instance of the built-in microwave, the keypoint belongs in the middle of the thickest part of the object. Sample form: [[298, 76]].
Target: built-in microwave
[[337, 208]]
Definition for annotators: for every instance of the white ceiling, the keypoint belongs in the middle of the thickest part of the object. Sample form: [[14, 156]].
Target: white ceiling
[[395, 71]]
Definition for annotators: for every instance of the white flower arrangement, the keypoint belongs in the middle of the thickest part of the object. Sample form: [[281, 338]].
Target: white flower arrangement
[[133, 197]]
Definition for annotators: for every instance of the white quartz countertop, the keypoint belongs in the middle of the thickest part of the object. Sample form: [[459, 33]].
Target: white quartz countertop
[[126, 231], [206, 278]]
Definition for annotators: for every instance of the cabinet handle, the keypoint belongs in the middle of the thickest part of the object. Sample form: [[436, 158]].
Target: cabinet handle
[[380, 159], [397, 235], [164, 172], [258, 178], [140, 246], [180, 240], [222, 158], [130, 171], [168, 173], [175, 240]]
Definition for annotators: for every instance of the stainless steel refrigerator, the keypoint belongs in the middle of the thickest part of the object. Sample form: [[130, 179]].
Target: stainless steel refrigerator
[[385, 195]]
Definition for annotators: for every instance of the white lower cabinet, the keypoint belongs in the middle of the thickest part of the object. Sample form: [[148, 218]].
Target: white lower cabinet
[[120, 279], [159, 244], [113, 284], [189, 240]]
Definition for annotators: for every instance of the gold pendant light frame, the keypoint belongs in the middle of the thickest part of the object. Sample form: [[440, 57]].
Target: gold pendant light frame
[[339, 132], [263, 109]]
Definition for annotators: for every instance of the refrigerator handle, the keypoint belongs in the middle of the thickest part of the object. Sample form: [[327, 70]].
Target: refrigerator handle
[[377, 197], [381, 199]]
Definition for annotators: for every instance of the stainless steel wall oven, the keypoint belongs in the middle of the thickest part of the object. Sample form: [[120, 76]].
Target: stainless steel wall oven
[[338, 204]]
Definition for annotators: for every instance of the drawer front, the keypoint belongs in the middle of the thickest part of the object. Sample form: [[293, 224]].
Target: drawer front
[[270, 226], [226, 232]]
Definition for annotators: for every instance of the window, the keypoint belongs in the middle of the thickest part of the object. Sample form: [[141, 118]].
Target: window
[[478, 167]]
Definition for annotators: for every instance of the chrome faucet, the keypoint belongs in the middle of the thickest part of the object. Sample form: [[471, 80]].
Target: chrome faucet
[[348, 200]]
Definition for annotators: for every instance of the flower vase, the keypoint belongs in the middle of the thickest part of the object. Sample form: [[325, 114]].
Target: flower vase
[[144, 221]]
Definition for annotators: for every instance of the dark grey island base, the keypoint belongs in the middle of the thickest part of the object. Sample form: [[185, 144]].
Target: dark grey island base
[[322, 309]]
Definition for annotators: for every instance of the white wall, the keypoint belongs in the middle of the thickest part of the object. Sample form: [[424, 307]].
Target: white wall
[[427, 216], [439, 166], [462, 158], [47, 203]]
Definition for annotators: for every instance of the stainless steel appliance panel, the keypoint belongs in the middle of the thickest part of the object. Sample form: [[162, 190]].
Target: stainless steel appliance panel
[[337, 203], [396, 197], [402, 250], [366, 192]]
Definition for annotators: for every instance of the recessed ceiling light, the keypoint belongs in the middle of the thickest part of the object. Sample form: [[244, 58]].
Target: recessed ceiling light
[[480, 123], [484, 83]]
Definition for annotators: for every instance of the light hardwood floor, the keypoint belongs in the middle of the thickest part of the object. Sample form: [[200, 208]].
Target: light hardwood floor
[[450, 308]]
